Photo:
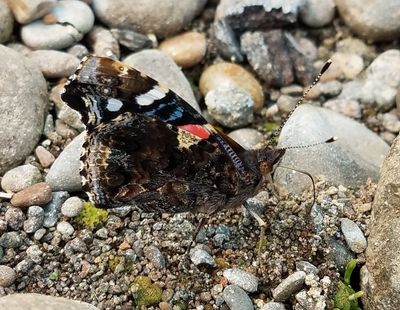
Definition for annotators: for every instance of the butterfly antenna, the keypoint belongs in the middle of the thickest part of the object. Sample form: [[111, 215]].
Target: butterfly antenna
[[300, 101], [304, 146]]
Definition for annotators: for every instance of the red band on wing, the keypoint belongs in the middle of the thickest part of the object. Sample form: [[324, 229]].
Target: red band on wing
[[196, 130]]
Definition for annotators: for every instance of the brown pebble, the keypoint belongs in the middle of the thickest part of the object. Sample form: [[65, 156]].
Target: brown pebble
[[187, 49], [164, 306], [37, 194], [45, 158], [227, 74], [124, 245]]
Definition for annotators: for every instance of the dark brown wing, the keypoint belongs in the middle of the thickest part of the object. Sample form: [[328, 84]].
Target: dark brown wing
[[137, 159]]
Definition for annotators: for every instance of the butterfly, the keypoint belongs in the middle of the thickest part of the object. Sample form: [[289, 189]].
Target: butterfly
[[147, 146]]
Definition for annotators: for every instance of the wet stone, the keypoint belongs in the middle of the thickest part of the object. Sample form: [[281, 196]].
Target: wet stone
[[52, 210], [241, 278], [37, 194], [20, 178], [7, 276], [72, 207], [236, 298], [355, 238], [155, 256], [289, 286], [14, 218], [35, 219]]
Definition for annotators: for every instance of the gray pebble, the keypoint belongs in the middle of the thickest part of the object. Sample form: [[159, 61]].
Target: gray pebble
[[354, 236], [340, 254], [35, 219], [330, 88], [7, 276], [236, 298], [24, 266], [219, 239], [65, 228], [72, 207], [243, 279], [39, 233], [286, 103], [317, 13], [10, 240], [289, 286], [53, 208], [132, 40], [391, 122], [247, 137], [273, 306], [14, 217], [34, 253], [78, 50], [103, 43], [350, 108], [231, 107], [102, 233], [306, 267], [199, 256], [155, 256], [1, 253], [6, 22]]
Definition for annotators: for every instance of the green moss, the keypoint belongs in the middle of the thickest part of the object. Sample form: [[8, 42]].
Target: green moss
[[147, 293], [91, 217], [53, 276], [268, 126], [221, 263], [181, 304], [113, 263]]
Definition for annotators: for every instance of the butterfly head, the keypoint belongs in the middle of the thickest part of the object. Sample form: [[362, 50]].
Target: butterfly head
[[267, 158]]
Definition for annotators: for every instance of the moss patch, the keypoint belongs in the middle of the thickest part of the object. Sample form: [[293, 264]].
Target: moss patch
[[91, 217], [147, 293]]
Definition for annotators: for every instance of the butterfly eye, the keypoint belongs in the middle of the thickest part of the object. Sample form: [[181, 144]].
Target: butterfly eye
[[105, 91]]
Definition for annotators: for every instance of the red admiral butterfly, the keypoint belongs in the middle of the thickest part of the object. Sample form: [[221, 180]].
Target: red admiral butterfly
[[146, 145]]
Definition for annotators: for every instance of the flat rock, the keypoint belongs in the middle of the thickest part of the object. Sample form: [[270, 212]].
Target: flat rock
[[289, 286], [20, 177], [37, 194], [23, 102], [241, 278], [6, 22], [356, 156]]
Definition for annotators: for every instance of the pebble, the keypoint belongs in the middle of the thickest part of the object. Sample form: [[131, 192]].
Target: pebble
[[226, 42], [317, 13], [241, 278], [25, 109], [7, 276], [39, 234], [162, 68], [306, 267], [34, 253], [102, 233], [225, 75], [374, 20], [161, 18], [64, 130], [103, 43], [45, 158], [64, 173], [65, 228], [37, 194], [11, 240], [391, 122], [289, 286], [273, 306], [78, 50], [355, 238], [52, 210], [353, 45], [337, 161], [72, 207], [20, 177], [6, 22], [26, 11], [54, 64], [187, 49], [350, 108], [200, 256], [340, 254], [155, 256], [286, 103], [65, 25], [236, 298], [14, 218], [229, 106], [35, 219], [330, 88], [132, 40], [248, 138]]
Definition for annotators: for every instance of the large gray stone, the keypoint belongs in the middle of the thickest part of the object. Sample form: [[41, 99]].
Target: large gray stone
[[381, 274], [356, 156], [23, 102], [6, 22]]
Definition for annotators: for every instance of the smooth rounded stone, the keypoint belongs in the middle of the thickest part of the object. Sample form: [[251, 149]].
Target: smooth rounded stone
[[353, 235], [64, 173], [52, 210], [6, 22], [353, 45], [78, 50], [45, 158], [241, 278], [65, 228], [26, 11], [72, 207], [247, 137], [7, 276], [33, 301], [132, 40], [35, 219], [162, 68], [14, 218], [317, 13], [23, 103], [228, 75], [103, 43], [307, 267], [236, 298], [11, 240], [163, 18], [380, 282], [289, 286], [65, 130], [391, 122], [330, 88], [372, 20], [341, 162], [200, 256], [273, 306], [69, 20], [155, 256], [231, 107], [39, 233], [340, 254], [54, 64], [187, 49], [20, 177], [286, 103], [350, 108], [37, 194]]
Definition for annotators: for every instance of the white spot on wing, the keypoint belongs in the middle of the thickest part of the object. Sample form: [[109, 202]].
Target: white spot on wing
[[148, 98], [114, 105]]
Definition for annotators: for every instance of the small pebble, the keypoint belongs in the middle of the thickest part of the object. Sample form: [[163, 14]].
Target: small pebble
[[241, 278], [273, 306], [199, 256], [7, 276], [37, 194], [35, 219], [286, 103], [65, 228], [14, 218], [72, 207], [355, 238], [289, 286], [187, 49], [45, 158], [317, 13], [39, 234], [391, 122], [34, 253], [20, 177], [10, 240], [52, 210], [350, 108], [78, 50], [132, 40], [249, 138], [306, 267], [155, 256], [236, 298], [103, 43]]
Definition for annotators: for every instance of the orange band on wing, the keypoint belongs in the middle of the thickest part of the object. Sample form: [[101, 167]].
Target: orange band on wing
[[197, 130]]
